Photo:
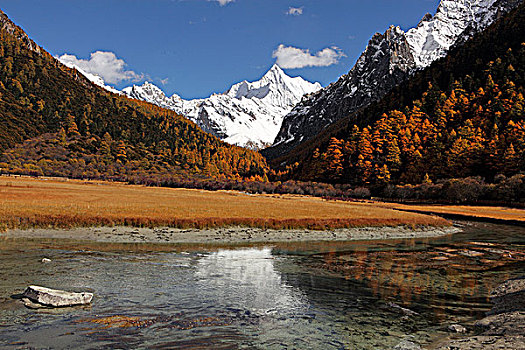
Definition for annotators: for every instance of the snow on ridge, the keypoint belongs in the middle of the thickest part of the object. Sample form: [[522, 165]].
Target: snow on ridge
[[434, 36], [95, 79]]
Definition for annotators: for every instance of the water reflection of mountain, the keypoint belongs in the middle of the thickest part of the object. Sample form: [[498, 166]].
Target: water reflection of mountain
[[357, 317], [445, 281], [247, 279]]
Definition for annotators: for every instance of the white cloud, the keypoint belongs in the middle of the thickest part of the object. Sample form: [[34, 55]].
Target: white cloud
[[103, 64], [295, 11], [223, 2], [293, 57]]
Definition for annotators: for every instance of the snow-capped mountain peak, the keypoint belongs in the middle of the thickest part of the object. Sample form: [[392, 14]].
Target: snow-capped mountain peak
[[275, 88], [249, 114], [151, 89], [153, 94], [276, 76]]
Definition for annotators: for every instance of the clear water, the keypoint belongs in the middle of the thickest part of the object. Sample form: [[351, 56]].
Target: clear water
[[294, 295]]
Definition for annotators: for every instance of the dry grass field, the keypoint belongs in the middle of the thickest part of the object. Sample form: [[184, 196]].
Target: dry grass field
[[55, 203], [498, 213]]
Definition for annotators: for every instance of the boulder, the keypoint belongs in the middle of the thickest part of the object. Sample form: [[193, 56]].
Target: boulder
[[504, 327], [508, 323], [400, 309], [56, 298]]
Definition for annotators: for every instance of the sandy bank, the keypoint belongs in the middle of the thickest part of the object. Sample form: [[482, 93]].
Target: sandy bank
[[120, 234]]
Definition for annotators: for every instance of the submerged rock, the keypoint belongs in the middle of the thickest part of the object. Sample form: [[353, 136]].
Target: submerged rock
[[56, 298], [508, 323], [408, 344], [400, 309], [508, 297], [504, 327]]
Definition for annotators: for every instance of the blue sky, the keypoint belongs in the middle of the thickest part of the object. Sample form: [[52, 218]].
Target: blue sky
[[198, 47]]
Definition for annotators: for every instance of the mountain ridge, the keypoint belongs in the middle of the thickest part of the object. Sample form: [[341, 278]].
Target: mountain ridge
[[388, 60], [457, 118]]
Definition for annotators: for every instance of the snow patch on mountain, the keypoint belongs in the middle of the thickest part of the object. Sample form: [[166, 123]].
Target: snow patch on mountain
[[434, 35]]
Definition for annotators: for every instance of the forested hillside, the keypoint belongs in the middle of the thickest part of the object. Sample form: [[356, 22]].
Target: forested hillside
[[463, 116], [53, 121], [388, 60]]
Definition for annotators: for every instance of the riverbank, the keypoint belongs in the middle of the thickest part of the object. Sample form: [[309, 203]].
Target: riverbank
[[231, 235]]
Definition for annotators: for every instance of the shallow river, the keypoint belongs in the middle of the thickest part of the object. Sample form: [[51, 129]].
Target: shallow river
[[354, 295]]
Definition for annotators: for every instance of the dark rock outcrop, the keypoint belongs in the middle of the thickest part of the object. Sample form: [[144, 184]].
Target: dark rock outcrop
[[8, 25]]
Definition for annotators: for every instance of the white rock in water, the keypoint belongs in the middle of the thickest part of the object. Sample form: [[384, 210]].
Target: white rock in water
[[457, 328], [46, 260], [56, 298]]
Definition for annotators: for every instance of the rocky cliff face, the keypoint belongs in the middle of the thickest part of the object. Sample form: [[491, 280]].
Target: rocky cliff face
[[504, 327], [389, 59]]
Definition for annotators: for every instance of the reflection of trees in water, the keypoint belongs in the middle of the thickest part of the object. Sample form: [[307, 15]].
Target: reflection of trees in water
[[442, 278], [355, 318]]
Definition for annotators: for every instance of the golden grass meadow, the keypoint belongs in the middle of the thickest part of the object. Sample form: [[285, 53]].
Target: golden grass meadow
[[55, 203]]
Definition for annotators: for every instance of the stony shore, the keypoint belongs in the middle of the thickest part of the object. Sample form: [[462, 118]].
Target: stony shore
[[504, 326], [228, 235]]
